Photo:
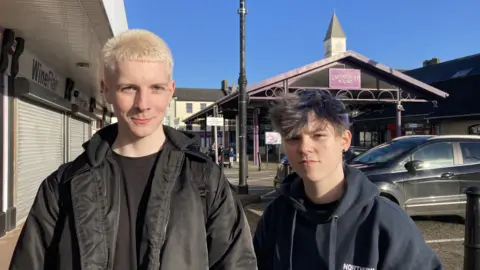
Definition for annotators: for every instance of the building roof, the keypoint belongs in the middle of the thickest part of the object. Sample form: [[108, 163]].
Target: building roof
[[459, 78], [199, 94], [444, 71], [463, 99], [359, 59], [334, 29], [414, 86]]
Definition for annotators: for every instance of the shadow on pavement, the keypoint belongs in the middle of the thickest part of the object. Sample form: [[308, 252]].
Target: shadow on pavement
[[442, 219], [254, 195], [254, 211]]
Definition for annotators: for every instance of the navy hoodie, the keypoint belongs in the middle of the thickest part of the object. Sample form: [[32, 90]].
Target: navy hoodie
[[365, 232]]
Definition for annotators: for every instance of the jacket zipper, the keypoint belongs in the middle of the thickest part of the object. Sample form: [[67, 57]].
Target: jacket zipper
[[115, 226], [166, 227]]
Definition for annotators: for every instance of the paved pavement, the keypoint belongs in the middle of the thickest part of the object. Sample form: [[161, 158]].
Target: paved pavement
[[445, 236], [7, 244]]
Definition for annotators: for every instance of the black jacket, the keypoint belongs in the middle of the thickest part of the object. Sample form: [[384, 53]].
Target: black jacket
[[74, 219]]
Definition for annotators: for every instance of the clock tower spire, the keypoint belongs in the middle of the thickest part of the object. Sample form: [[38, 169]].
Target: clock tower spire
[[335, 41]]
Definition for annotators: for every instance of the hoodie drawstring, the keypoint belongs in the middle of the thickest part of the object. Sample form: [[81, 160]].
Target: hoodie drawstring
[[292, 237], [332, 246]]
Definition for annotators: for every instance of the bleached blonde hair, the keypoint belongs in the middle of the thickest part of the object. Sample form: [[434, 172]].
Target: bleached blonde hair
[[136, 45]]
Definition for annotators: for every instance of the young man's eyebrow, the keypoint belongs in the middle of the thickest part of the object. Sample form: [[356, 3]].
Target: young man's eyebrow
[[135, 85]]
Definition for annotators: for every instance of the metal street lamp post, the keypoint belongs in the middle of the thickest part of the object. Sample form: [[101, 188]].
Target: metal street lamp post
[[242, 106]]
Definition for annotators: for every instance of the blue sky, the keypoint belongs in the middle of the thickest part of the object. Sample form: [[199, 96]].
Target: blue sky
[[285, 34]]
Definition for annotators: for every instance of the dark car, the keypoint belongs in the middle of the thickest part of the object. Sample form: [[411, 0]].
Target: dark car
[[425, 175], [352, 152], [285, 169]]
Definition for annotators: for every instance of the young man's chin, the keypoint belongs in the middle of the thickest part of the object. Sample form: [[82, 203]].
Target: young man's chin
[[143, 131], [312, 176]]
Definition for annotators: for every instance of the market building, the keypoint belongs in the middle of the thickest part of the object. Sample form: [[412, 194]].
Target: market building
[[362, 83], [50, 81]]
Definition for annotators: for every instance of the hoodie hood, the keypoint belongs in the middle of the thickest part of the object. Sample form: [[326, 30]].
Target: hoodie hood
[[100, 145], [359, 193]]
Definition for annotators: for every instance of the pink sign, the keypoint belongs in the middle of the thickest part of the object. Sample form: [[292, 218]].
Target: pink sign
[[344, 78]]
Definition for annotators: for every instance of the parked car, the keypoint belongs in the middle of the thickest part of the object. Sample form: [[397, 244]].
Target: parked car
[[285, 169], [352, 152], [425, 175]]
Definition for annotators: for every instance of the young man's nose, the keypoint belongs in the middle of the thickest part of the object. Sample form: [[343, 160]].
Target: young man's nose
[[142, 100], [305, 145]]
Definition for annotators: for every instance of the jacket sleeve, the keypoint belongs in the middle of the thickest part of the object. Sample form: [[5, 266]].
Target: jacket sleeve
[[38, 230], [229, 238]]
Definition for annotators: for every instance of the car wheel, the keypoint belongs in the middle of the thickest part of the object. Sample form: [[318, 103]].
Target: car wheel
[[390, 197]]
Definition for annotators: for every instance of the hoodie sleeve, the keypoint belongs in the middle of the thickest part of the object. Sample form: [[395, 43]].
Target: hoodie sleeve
[[38, 230], [261, 242], [228, 234], [403, 243]]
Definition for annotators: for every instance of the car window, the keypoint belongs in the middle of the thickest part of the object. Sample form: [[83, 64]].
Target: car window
[[385, 152], [435, 155], [470, 152]]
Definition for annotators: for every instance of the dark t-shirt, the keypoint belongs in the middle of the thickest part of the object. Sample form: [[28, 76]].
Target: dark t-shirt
[[137, 177], [324, 211]]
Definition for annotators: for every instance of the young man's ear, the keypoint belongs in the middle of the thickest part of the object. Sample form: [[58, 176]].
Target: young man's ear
[[346, 139], [172, 88]]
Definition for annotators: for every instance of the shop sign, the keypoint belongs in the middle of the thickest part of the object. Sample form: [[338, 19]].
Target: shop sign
[[344, 78], [45, 77], [273, 138]]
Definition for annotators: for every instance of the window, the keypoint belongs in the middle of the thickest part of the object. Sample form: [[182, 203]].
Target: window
[[470, 152], [189, 107], [474, 130], [203, 106], [368, 139], [385, 152], [435, 155], [461, 73]]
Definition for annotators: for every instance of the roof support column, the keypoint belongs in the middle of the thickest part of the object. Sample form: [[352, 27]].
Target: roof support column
[[215, 132], [256, 139], [399, 113], [237, 136], [205, 133], [285, 87]]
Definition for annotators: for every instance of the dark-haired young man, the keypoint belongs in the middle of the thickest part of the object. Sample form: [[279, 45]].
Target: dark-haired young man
[[330, 216]]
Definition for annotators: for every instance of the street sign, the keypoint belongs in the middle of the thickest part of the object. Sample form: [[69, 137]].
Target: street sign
[[215, 121], [273, 138]]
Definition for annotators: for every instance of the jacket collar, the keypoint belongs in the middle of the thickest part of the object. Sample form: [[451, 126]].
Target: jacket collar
[[100, 145]]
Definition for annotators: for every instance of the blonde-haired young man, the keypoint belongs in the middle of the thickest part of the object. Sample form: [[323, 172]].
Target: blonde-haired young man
[[138, 197]]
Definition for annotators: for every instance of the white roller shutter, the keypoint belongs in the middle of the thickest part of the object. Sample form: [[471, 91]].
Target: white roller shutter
[[39, 151], [79, 133]]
